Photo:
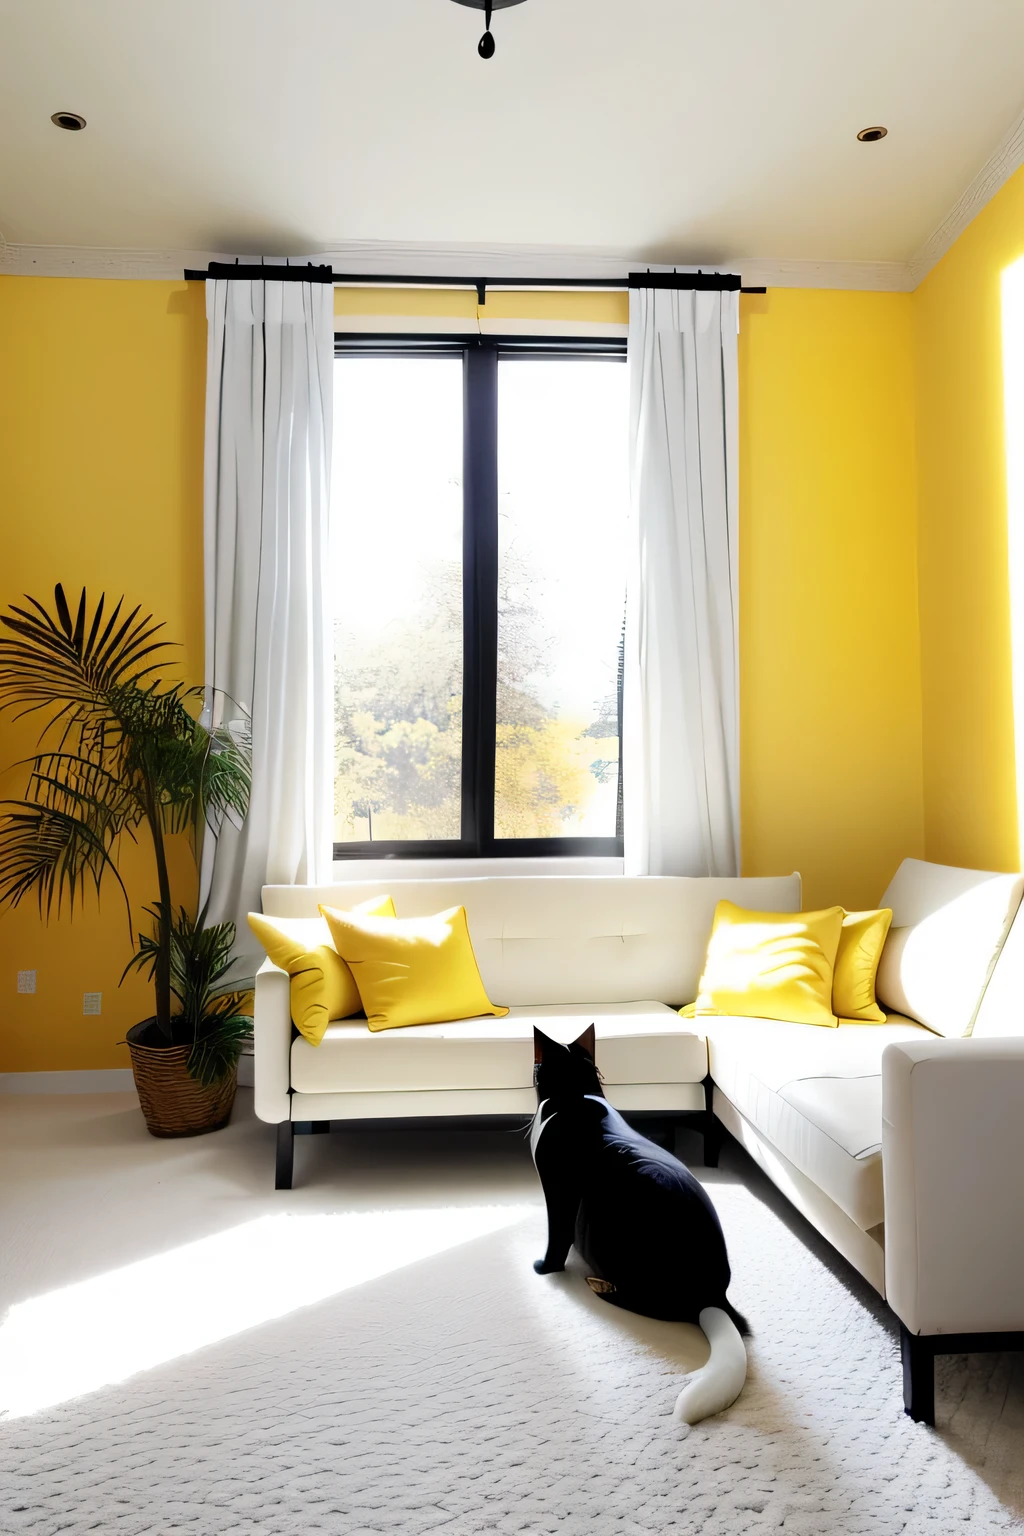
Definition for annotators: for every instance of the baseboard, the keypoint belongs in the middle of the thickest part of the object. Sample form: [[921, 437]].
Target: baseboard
[[102, 1080], [97, 1080]]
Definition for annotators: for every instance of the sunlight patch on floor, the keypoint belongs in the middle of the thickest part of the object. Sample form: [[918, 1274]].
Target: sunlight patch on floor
[[105, 1329]]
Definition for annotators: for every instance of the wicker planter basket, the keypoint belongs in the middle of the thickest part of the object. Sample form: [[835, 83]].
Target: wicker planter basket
[[174, 1103]]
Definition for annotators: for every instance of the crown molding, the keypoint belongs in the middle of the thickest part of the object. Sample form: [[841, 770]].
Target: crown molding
[[113, 261], [384, 257], [97, 261], [1007, 157], [861, 276], [485, 260], [585, 261]]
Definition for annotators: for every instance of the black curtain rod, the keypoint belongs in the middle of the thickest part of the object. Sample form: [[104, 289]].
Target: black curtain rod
[[714, 282], [254, 271]]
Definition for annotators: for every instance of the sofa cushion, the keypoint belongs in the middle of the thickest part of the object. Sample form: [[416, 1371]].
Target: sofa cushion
[[860, 949], [557, 939], [948, 927], [641, 1042], [321, 985], [412, 970], [771, 965], [816, 1094]]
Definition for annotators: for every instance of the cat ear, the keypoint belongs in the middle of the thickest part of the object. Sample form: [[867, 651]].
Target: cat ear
[[542, 1045], [587, 1042]]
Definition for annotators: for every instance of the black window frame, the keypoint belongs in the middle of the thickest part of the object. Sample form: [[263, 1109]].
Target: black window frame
[[481, 355]]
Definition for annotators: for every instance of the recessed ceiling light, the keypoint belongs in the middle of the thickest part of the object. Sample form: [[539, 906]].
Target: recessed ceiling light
[[871, 135], [72, 121]]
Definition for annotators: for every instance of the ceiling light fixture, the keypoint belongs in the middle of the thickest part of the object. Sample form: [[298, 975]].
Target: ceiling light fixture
[[872, 135], [74, 122], [485, 47]]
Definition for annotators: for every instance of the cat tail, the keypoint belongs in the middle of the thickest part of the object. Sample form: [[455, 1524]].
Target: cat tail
[[738, 1318], [720, 1382]]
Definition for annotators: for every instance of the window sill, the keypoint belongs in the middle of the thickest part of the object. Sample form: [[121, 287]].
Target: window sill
[[346, 870]]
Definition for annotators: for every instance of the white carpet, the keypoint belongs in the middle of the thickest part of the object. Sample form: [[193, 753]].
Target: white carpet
[[461, 1393]]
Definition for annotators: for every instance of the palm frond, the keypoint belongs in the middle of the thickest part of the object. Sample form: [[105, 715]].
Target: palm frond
[[200, 959], [59, 838], [217, 1050], [211, 1017], [53, 852], [77, 785], [69, 664], [224, 776], [202, 775], [163, 743], [145, 957], [129, 749]]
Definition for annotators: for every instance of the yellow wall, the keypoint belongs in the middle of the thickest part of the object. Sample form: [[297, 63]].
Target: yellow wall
[[101, 444], [457, 310], [970, 799], [830, 680], [859, 744], [101, 424]]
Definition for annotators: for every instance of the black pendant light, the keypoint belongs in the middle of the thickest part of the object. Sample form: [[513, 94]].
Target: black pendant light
[[485, 47]]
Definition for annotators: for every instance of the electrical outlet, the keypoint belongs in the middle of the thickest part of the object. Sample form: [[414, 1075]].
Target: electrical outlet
[[91, 1002], [26, 981]]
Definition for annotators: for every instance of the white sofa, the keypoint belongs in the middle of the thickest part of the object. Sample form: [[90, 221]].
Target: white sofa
[[902, 1143]]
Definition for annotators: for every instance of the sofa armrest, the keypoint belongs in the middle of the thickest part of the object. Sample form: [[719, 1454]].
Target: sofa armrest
[[272, 1044], [953, 1171]]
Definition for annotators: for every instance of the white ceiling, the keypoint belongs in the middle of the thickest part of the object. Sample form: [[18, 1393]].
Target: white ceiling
[[686, 130]]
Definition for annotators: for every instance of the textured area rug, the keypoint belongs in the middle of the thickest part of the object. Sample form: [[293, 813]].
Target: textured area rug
[[462, 1394]]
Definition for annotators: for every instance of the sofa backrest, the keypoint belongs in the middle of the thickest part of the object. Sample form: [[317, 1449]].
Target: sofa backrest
[[556, 939], [1001, 1010], [948, 930]]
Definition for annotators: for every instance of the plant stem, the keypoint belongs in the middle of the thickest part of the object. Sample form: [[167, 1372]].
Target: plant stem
[[162, 973]]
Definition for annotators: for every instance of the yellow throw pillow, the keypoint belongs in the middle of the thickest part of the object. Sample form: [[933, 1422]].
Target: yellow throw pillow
[[412, 970], [322, 986], [861, 941], [771, 965]]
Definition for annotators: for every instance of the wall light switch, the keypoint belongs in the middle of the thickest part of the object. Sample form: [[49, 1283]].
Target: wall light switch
[[91, 1002], [26, 981]]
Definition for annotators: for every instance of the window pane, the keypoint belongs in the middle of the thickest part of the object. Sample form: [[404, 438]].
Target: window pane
[[396, 555], [563, 502]]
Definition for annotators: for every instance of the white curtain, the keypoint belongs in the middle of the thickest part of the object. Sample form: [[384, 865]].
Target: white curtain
[[680, 702], [269, 399]]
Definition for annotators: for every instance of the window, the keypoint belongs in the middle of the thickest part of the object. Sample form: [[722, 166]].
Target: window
[[478, 551]]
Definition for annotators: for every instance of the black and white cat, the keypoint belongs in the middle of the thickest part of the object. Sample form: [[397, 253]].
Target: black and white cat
[[639, 1220]]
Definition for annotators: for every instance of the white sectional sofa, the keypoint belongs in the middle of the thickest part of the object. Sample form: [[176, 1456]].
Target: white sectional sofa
[[558, 952], [903, 1143]]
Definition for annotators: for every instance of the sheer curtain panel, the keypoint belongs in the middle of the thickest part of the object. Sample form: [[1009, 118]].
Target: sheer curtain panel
[[680, 701], [270, 365]]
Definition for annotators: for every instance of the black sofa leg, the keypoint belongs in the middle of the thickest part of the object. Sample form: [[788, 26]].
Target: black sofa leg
[[285, 1155], [710, 1127], [677, 1129], [918, 1376]]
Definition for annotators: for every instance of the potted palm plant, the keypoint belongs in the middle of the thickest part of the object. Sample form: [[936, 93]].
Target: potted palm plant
[[121, 749]]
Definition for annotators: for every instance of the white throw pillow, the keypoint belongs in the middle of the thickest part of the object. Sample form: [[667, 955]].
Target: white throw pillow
[[948, 927]]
